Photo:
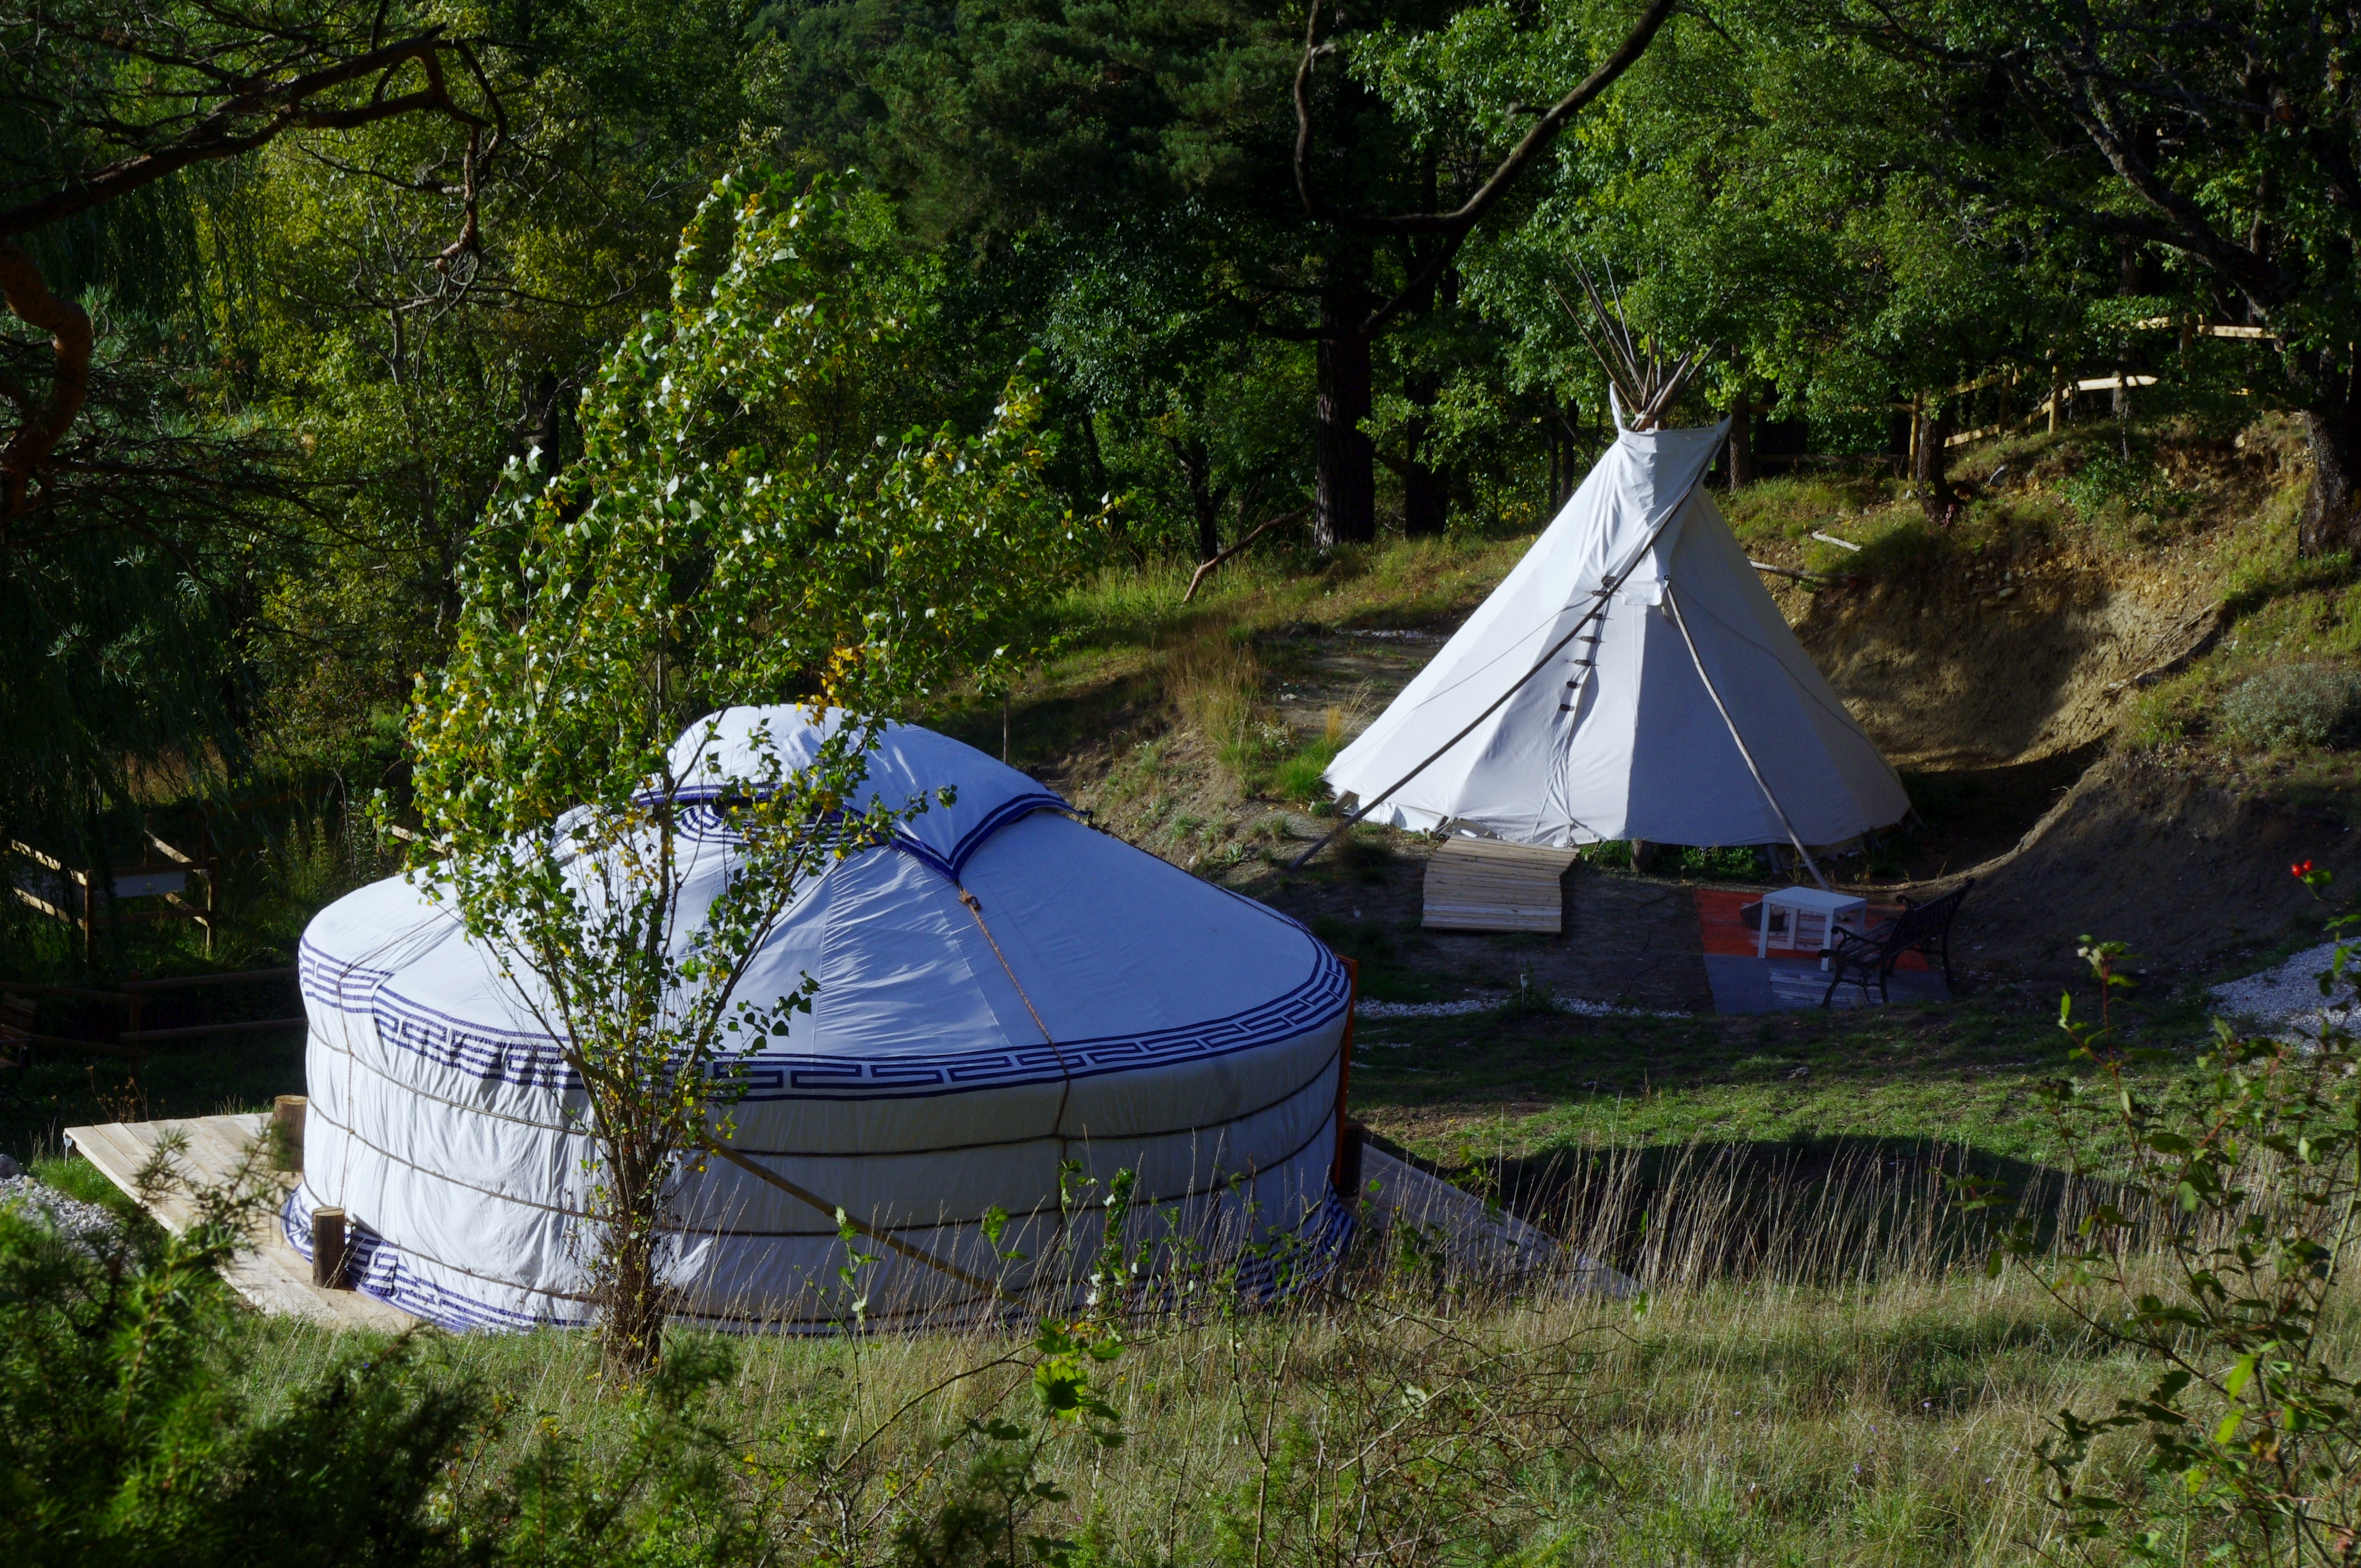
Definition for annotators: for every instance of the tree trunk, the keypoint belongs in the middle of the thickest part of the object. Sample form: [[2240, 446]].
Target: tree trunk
[[1931, 471], [1426, 489], [1345, 478], [2332, 512], [1426, 499], [1741, 437], [627, 1215], [1205, 500]]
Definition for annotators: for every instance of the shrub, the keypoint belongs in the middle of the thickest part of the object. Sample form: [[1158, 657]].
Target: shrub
[[2128, 490], [1740, 862], [2295, 705], [1299, 777]]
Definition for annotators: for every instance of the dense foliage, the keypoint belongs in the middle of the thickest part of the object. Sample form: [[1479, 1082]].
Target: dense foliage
[[320, 338]]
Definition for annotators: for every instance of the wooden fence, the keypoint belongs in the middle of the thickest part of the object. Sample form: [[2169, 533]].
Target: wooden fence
[[75, 894], [130, 1040]]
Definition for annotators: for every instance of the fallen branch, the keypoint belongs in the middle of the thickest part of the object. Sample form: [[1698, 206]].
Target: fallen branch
[[1785, 572], [1206, 568]]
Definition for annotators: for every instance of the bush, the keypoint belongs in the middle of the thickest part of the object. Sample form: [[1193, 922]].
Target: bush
[[2129, 493], [2295, 705], [1740, 862]]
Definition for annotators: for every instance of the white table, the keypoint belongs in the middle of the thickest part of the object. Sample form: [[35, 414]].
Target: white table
[[1826, 911]]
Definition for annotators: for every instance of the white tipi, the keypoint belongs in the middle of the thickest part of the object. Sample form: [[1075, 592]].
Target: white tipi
[[1631, 679]]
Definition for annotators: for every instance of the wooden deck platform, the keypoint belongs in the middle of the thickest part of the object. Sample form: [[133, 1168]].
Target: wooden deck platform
[[272, 1276], [1483, 884]]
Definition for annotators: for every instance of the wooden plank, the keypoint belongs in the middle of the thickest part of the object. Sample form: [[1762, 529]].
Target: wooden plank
[[1477, 1238], [1482, 885], [30, 989], [186, 982], [69, 1042], [270, 1275]]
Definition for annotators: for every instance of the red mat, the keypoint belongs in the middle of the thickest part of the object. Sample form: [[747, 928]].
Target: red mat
[[1727, 935]]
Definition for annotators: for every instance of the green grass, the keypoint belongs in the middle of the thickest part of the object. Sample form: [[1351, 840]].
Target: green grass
[[1769, 1412], [1478, 1088], [1775, 1424]]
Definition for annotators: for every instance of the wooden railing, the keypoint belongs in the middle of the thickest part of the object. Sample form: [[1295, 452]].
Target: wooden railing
[[130, 1041], [73, 893]]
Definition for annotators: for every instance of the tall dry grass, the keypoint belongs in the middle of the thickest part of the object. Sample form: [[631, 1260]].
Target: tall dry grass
[[1817, 1371]]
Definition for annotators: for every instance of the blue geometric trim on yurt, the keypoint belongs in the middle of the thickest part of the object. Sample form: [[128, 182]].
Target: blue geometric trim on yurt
[[999, 816], [377, 1269], [1277, 1269], [533, 1058]]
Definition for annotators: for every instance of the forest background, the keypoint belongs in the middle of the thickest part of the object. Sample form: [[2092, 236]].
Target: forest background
[[303, 299], [304, 390]]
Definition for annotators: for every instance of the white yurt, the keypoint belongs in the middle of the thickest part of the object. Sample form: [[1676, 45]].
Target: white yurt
[[1002, 989], [1629, 678]]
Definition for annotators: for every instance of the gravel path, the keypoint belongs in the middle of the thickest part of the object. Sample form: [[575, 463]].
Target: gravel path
[[2285, 997], [1453, 1009], [71, 1215]]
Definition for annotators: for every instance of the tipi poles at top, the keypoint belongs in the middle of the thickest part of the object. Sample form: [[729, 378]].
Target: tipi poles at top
[[1633, 367], [1672, 604], [1597, 609]]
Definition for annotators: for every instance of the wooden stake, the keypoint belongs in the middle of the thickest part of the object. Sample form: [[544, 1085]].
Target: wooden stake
[[287, 1114], [328, 1249]]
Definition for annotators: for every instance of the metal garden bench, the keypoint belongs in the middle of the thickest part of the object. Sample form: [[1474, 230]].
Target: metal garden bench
[[1864, 955]]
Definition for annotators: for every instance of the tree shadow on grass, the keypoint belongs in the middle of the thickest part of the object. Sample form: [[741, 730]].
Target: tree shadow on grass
[[1809, 1212]]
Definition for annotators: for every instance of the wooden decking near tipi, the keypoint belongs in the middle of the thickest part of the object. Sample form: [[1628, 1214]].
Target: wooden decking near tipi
[[1483, 884]]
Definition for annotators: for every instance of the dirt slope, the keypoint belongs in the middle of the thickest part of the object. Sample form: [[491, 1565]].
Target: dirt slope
[[2005, 662], [2143, 852]]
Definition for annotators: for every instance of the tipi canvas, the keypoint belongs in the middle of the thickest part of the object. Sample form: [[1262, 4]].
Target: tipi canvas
[[1630, 726]]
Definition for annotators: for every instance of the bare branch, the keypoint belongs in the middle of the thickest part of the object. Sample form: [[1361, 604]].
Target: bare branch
[[256, 111], [27, 295], [1464, 217], [243, 123]]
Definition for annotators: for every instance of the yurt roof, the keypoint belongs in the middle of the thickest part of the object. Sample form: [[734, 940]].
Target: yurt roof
[[1120, 957]]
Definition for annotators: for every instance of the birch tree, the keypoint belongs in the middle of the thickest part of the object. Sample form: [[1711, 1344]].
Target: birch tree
[[723, 539]]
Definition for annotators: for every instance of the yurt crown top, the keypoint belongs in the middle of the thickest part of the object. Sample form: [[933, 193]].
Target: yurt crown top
[[969, 795]]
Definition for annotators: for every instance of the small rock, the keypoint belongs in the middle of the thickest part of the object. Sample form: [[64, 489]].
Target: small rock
[[10, 1170], [1801, 1072]]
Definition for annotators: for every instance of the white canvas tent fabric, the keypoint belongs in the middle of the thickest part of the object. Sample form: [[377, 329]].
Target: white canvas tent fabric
[[1183, 1033], [1619, 738]]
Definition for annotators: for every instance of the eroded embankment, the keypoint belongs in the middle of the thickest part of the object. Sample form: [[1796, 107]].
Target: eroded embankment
[[2147, 853], [2004, 658], [2008, 659]]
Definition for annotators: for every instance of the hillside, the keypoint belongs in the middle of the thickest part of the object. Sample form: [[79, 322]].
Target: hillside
[[2070, 676]]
